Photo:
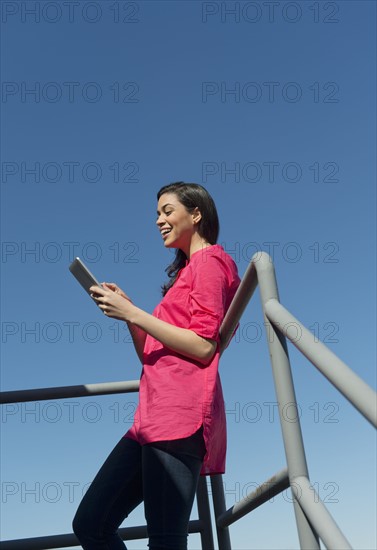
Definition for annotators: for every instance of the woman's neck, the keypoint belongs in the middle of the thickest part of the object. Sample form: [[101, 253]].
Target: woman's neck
[[197, 243]]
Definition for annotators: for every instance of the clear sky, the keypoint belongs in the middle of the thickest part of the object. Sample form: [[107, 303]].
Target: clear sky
[[271, 106]]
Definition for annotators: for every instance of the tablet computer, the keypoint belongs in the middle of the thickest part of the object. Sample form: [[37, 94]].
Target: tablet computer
[[83, 275]]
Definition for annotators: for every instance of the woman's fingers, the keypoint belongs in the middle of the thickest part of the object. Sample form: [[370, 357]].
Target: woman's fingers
[[111, 286], [111, 300], [96, 290], [115, 288], [106, 287]]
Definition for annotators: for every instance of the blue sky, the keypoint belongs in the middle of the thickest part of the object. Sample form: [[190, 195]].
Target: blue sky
[[272, 107]]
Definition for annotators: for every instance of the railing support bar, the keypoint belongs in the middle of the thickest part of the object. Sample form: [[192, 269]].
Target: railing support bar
[[318, 515], [218, 496], [281, 369], [204, 513], [69, 540], [63, 392], [362, 396], [269, 489]]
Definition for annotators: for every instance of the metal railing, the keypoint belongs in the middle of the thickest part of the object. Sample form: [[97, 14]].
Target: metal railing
[[313, 520]]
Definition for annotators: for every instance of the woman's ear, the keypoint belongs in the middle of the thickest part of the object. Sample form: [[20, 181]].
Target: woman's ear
[[196, 215]]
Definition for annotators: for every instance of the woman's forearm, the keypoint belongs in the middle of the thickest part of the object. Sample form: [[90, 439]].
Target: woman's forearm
[[138, 336], [181, 340], [116, 304]]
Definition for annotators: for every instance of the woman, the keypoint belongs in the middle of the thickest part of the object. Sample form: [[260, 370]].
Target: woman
[[179, 430]]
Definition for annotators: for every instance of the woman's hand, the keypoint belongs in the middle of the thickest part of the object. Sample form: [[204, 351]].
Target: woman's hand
[[112, 301]]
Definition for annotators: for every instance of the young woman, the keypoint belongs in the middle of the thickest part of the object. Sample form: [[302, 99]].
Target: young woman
[[179, 429]]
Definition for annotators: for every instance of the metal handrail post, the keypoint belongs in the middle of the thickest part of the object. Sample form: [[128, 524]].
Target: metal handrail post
[[281, 370], [204, 513], [218, 497]]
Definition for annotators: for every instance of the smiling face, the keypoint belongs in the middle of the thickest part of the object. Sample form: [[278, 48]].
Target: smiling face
[[177, 226]]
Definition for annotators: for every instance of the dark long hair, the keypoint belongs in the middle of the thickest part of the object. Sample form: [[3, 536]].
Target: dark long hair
[[191, 195]]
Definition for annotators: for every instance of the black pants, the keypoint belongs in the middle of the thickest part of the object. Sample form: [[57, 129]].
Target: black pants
[[164, 474]]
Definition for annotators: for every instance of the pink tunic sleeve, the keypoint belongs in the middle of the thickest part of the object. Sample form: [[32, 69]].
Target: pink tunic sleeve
[[177, 394]]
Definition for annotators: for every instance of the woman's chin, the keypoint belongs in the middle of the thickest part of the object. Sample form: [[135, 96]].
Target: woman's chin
[[169, 243]]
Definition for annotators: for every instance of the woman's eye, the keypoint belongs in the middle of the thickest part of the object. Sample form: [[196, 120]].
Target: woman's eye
[[165, 213]]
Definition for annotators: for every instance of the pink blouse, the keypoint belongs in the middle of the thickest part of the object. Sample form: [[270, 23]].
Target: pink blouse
[[177, 394]]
